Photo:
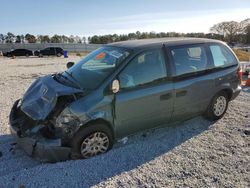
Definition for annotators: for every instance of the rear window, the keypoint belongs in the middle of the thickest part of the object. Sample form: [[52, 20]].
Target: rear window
[[222, 56], [189, 59]]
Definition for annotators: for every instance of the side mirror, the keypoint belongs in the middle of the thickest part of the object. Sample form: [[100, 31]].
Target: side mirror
[[115, 87], [70, 64]]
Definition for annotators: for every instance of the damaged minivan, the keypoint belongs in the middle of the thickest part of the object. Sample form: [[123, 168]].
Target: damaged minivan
[[120, 89]]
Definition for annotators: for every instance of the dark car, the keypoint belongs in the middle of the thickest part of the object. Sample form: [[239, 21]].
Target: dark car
[[18, 52], [51, 51], [120, 89]]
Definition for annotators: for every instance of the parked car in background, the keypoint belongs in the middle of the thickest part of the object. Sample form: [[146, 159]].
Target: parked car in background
[[18, 52], [123, 88], [51, 51]]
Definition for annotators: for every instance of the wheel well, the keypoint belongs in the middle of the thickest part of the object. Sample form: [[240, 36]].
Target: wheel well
[[229, 93], [100, 121]]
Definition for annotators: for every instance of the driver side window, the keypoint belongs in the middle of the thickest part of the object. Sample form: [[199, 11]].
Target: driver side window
[[143, 69]]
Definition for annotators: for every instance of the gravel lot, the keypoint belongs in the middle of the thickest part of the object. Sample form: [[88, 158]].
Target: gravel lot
[[196, 153]]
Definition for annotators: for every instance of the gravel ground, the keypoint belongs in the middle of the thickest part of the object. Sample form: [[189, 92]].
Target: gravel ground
[[196, 153]]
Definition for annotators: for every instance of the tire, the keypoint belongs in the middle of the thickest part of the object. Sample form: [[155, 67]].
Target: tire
[[217, 107], [27, 55], [78, 142], [59, 55]]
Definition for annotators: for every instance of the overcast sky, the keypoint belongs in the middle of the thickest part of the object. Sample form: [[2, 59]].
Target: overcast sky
[[87, 18]]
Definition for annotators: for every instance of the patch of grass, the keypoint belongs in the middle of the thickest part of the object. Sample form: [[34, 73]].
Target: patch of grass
[[242, 55], [81, 54]]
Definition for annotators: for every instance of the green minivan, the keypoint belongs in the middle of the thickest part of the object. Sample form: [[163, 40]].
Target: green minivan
[[120, 89]]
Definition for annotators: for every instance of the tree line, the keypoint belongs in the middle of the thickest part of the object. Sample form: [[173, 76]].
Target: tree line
[[29, 38], [232, 32]]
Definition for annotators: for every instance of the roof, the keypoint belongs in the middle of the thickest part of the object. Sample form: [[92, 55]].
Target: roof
[[142, 43]]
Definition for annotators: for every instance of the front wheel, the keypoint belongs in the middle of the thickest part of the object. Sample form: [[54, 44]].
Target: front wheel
[[218, 106], [91, 141]]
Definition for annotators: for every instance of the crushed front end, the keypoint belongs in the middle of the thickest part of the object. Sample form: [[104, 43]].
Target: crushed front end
[[36, 138], [33, 119]]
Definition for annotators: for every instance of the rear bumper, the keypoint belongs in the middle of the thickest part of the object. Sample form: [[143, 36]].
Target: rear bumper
[[236, 92], [43, 149]]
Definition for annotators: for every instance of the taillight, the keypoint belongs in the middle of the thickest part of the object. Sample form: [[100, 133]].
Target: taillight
[[239, 73]]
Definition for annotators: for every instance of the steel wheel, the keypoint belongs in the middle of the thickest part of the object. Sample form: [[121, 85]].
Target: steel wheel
[[94, 144], [220, 105]]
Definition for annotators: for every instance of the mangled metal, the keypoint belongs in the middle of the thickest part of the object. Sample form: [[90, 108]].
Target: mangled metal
[[46, 119], [41, 98], [35, 123]]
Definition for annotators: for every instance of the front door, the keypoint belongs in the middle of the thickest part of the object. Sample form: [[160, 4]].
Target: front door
[[145, 99]]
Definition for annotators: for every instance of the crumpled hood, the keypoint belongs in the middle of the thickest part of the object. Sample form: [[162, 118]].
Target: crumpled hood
[[40, 99]]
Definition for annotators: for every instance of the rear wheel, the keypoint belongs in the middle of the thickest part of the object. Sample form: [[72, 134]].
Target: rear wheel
[[218, 106], [58, 54], [91, 141]]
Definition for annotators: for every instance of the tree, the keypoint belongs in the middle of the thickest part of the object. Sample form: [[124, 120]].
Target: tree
[[132, 36], [18, 39], [77, 39], [94, 40], [138, 34], [43, 38], [2, 38], [30, 38], [10, 38], [228, 29], [71, 39], [152, 34], [84, 40], [56, 39], [65, 39], [22, 38], [248, 34]]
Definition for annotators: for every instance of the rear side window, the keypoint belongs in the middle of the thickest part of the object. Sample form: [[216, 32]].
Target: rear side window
[[222, 56], [189, 59]]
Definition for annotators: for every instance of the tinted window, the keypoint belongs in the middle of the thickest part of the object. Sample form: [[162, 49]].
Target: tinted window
[[189, 59], [145, 68], [222, 56]]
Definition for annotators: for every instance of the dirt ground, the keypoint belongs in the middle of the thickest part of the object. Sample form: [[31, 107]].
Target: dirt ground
[[195, 153]]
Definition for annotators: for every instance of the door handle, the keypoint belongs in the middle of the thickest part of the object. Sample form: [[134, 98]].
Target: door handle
[[165, 96], [181, 93]]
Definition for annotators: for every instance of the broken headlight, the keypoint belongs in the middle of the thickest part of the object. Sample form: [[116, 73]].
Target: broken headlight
[[66, 123], [66, 117]]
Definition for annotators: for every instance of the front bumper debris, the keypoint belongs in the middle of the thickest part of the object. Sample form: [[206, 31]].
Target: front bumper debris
[[43, 149]]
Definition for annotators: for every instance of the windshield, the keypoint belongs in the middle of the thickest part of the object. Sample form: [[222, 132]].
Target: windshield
[[91, 71]]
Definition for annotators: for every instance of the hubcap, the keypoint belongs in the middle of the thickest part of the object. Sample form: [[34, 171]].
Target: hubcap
[[220, 105], [94, 144]]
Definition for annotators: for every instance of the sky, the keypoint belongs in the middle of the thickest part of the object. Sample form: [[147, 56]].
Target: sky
[[99, 17]]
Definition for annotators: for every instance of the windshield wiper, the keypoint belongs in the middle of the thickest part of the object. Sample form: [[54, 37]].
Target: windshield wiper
[[73, 82], [76, 81]]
